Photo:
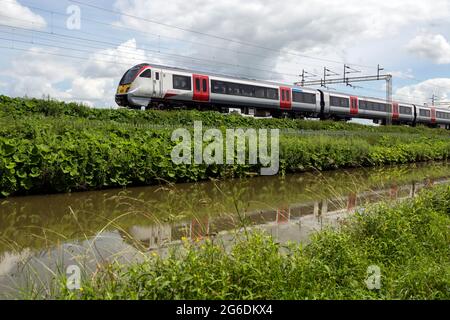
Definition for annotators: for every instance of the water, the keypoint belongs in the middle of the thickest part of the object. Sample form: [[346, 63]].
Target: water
[[41, 235]]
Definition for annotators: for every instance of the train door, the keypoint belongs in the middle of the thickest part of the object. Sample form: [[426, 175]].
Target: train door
[[353, 105], [395, 113], [415, 115], [157, 82], [201, 87], [285, 98], [433, 115], [323, 103]]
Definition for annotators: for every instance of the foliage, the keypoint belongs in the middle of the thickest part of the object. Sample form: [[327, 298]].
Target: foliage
[[19, 107], [49, 146]]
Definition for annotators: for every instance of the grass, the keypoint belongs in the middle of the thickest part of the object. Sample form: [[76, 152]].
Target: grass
[[17, 108], [408, 241]]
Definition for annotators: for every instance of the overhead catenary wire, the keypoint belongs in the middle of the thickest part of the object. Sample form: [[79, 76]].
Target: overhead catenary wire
[[246, 43], [188, 41], [205, 34], [154, 51], [223, 38], [151, 50]]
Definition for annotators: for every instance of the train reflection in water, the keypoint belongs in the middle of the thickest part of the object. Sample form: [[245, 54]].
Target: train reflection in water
[[294, 221]]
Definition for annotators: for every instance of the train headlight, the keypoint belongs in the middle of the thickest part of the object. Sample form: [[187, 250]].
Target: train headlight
[[123, 89]]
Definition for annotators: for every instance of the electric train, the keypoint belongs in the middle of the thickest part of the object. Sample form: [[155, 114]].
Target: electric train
[[162, 87]]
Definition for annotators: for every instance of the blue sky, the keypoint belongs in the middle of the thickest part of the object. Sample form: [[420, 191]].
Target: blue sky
[[271, 41]]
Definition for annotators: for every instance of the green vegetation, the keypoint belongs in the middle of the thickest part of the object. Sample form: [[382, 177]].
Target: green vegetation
[[20, 107], [48, 146], [409, 242]]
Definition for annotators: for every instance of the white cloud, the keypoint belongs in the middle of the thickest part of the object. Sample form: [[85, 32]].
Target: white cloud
[[407, 74], [326, 29], [93, 88], [92, 82], [431, 46], [423, 91], [16, 15], [44, 63], [112, 62]]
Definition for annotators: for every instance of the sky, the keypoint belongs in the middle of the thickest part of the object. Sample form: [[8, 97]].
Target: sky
[[78, 50]]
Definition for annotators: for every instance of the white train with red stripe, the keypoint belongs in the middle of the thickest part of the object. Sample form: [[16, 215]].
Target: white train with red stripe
[[162, 87]]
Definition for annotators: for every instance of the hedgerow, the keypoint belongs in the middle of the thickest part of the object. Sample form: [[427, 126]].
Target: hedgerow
[[56, 147]]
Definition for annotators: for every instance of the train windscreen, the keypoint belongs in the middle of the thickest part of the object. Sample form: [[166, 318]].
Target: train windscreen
[[130, 75]]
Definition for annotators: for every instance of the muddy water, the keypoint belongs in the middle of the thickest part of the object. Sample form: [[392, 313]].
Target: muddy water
[[40, 235]]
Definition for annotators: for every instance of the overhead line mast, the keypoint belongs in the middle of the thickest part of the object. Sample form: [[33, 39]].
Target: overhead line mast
[[349, 80]]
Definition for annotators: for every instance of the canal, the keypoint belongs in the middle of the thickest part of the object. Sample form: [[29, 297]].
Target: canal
[[41, 235]]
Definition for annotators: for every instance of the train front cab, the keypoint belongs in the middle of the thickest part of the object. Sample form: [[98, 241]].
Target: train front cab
[[139, 86]]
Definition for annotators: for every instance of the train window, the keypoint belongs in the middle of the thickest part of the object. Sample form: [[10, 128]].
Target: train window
[[339, 102], [218, 87], [303, 97], [282, 95], [260, 92], [156, 75], [248, 91], [288, 98], [442, 115], [272, 93], [181, 82], [405, 110], [334, 101], [146, 74], [229, 88], [238, 89], [362, 104], [197, 84], [374, 106], [204, 85], [424, 113]]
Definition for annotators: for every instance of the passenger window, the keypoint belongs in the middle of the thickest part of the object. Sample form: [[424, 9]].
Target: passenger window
[[288, 98], [197, 84], [204, 85], [282, 95], [181, 82]]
